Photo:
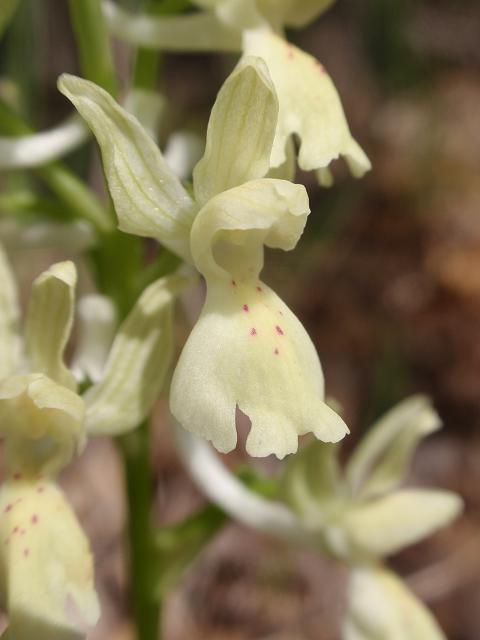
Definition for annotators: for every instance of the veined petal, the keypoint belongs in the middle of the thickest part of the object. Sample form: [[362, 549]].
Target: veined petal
[[293, 13], [10, 344], [309, 106], [384, 526], [192, 32], [37, 149], [248, 349], [240, 131], [97, 322], [41, 422], [149, 199], [49, 321], [380, 462], [380, 607], [138, 362], [46, 567]]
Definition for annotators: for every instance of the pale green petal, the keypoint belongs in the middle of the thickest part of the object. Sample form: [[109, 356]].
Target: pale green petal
[[293, 13], [149, 199], [309, 106], [10, 344], [97, 320], [240, 131], [312, 484], [39, 148], [386, 525], [138, 362], [240, 14], [41, 422], [46, 566], [287, 170], [49, 321], [381, 460], [380, 607], [248, 349], [191, 32]]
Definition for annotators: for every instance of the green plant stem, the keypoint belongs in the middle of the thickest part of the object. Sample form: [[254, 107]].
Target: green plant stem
[[96, 60], [143, 572], [79, 201]]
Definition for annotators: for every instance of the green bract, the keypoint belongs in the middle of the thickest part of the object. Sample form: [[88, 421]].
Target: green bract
[[46, 568], [247, 349], [309, 105], [361, 516]]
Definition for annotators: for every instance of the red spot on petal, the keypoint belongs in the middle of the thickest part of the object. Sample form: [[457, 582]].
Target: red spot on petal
[[34, 519], [279, 330], [276, 352], [253, 331], [245, 308], [17, 476], [40, 489], [234, 284], [259, 289], [26, 552], [8, 508], [290, 52], [15, 529]]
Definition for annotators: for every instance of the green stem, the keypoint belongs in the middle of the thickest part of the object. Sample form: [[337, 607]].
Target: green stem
[[139, 484], [96, 60], [73, 193]]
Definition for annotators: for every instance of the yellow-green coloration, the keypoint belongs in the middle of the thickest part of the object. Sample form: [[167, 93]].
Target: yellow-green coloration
[[46, 568], [236, 212]]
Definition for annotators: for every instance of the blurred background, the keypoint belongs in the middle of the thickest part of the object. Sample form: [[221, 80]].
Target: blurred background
[[386, 280]]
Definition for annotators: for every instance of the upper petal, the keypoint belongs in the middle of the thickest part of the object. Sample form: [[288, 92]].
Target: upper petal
[[149, 199], [240, 131], [49, 322], [46, 567], [309, 106], [293, 13]]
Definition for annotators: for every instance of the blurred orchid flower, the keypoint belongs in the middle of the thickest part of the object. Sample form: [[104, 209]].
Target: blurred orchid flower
[[247, 349], [46, 567], [309, 105], [360, 516]]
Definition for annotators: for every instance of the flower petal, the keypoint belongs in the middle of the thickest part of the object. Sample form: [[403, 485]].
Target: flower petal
[[97, 322], [41, 422], [10, 344], [309, 106], [240, 132], [49, 321], [149, 199], [46, 567], [192, 32], [138, 362], [380, 607], [248, 349], [380, 462], [384, 526]]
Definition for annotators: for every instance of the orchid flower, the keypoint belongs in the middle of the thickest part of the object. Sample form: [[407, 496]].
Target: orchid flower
[[46, 567], [362, 515], [309, 105], [247, 349]]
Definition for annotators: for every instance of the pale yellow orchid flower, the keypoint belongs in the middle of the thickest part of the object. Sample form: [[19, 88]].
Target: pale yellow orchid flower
[[361, 516], [46, 567], [247, 349], [309, 105]]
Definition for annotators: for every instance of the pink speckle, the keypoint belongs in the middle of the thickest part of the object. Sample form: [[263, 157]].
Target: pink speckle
[[34, 519], [233, 283], [40, 489], [290, 52], [280, 313], [15, 529], [259, 289], [245, 308], [276, 352], [26, 552], [253, 331], [8, 508], [17, 476], [279, 330]]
